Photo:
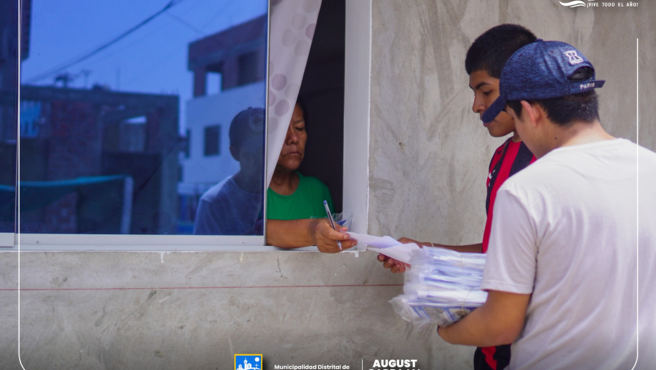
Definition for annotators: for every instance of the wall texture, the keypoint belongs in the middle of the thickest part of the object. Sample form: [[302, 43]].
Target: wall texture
[[156, 310], [428, 151]]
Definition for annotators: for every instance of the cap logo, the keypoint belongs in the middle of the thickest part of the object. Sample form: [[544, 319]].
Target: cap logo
[[574, 57], [589, 85]]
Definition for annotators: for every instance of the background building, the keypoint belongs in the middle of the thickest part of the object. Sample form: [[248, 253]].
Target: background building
[[233, 60], [72, 133], [74, 142]]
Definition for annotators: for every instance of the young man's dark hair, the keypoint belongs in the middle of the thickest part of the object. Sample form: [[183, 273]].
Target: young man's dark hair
[[577, 107], [491, 50]]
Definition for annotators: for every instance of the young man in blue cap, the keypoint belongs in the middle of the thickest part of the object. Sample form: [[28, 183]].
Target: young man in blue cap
[[484, 62], [571, 253]]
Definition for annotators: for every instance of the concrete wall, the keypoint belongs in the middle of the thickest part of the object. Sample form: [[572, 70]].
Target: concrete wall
[[428, 151], [428, 158], [195, 310]]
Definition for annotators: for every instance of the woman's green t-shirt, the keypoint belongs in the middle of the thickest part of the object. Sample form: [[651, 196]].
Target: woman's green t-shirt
[[305, 202]]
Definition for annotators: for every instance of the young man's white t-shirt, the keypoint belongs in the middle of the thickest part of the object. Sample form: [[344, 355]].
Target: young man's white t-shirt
[[567, 230]]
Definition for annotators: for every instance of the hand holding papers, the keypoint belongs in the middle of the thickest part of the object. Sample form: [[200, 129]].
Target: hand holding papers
[[442, 287], [387, 245]]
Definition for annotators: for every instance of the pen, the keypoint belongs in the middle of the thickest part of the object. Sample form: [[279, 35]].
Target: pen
[[332, 222]]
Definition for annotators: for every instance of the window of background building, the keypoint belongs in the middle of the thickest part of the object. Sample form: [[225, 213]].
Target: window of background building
[[212, 140], [108, 136], [213, 82]]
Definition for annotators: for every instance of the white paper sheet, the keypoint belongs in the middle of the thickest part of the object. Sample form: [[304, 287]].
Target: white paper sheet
[[375, 241], [386, 245], [400, 252]]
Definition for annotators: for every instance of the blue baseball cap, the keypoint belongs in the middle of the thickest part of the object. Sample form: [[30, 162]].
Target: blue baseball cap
[[541, 70]]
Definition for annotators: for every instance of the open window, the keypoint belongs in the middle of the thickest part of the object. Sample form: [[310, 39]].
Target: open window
[[121, 136], [126, 147], [120, 144]]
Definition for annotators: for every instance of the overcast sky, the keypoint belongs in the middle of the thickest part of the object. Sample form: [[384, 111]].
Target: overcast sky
[[152, 59]]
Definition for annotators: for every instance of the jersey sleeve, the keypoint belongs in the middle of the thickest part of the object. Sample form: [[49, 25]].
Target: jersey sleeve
[[512, 253]]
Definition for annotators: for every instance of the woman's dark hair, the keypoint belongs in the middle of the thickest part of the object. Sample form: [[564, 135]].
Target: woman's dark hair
[[301, 103]]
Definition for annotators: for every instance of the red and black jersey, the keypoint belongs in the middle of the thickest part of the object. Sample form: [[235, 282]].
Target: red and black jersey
[[508, 159]]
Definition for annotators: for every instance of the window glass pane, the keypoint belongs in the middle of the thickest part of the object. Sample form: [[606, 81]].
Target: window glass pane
[[120, 132], [8, 110]]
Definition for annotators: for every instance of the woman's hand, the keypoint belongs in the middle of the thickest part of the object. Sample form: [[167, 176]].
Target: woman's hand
[[325, 238]]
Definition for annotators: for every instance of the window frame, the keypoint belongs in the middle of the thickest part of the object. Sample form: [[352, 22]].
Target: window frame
[[356, 168], [7, 240]]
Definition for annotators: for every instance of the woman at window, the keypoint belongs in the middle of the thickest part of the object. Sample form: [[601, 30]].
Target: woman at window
[[291, 195], [295, 213]]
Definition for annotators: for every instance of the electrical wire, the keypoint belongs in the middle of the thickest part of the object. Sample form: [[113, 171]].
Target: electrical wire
[[137, 41], [216, 15], [184, 22], [169, 5], [153, 32], [150, 69]]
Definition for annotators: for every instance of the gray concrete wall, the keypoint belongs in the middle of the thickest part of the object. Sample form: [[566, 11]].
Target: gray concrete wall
[[428, 159], [428, 151], [121, 310]]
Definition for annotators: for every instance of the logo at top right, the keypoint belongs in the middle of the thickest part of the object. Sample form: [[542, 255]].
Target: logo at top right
[[602, 4]]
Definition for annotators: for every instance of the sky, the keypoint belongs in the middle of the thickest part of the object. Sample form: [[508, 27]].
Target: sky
[[152, 59]]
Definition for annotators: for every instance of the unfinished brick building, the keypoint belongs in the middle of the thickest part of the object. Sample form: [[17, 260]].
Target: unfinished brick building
[[68, 134]]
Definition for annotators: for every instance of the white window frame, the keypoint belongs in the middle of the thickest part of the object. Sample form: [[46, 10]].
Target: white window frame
[[355, 167], [7, 240]]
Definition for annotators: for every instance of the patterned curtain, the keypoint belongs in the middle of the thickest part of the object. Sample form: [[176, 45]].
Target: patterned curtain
[[291, 32]]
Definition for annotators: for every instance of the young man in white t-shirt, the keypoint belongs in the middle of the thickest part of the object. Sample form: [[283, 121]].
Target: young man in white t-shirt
[[571, 283]]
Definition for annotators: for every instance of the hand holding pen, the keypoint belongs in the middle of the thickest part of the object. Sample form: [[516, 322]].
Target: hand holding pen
[[347, 242], [332, 221], [325, 237]]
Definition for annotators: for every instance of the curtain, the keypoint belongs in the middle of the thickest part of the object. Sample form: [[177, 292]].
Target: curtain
[[292, 28]]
